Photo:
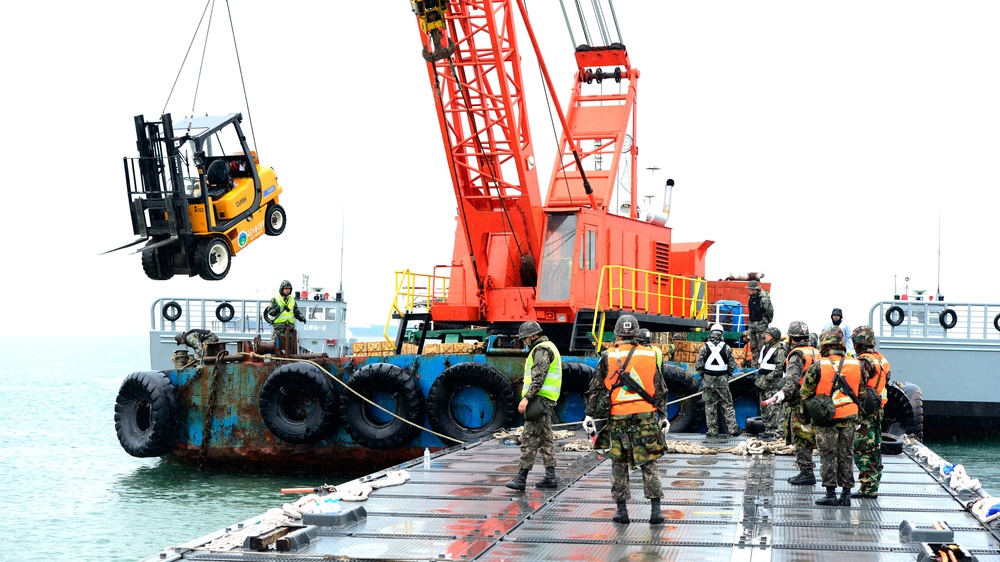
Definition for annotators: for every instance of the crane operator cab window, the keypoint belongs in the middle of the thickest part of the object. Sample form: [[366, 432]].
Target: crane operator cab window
[[557, 257]]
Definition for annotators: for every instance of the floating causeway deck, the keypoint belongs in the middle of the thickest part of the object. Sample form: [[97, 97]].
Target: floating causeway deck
[[718, 507]]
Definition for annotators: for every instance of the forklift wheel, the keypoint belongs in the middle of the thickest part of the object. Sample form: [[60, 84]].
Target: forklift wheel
[[212, 258], [274, 223]]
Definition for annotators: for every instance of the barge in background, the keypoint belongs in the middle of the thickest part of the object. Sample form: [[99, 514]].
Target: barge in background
[[717, 507], [951, 350]]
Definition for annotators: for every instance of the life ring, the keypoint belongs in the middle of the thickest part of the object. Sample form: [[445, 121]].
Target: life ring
[[572, 396], [146, 414], [948, 318], [225, 312], [298, 403], [469, 401], [996, 322], [894, 316], [904, 410], [171, 311], [395, 390], [687, 415], [891, 444]]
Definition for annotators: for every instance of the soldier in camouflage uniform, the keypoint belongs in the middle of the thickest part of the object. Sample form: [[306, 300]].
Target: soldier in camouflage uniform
[[634, 432], [770, 379], [760, 316], [715, 364], [197, 339], [836, 439], [800, 431], [542, 377], [868, 441]]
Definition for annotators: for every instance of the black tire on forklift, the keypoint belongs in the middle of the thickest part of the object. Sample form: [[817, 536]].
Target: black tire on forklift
[[157, 264], [274, 221], [212, 259]]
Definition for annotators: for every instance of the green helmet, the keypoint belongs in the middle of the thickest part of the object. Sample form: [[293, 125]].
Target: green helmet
[[775, 332], [863, 336], [286, 284], [644, 336], [528, 329], [831, 338], [798, 329], [627, 326]]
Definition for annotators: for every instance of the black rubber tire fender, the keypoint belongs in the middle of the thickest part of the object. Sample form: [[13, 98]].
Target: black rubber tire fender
[[996, 322], [575, 383], [891, 444], [948, 318], [490, 380], [894, 316], [298, 403], [146, 414], [405, 390], [915, 397], [755, 425], [171, 311], [225, 312], [691, 413]]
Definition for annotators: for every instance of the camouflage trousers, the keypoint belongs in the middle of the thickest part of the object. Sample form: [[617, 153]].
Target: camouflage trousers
[[803, 436], [716, 393], [755, 339], [651, 485], [195, 342], [774, 414], [836, 454], [537, 439], [634, 439], [868, 453]]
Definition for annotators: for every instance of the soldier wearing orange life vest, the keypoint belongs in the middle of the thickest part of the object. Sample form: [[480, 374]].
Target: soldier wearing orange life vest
[[628, 379], [839, 377], [868, 441]]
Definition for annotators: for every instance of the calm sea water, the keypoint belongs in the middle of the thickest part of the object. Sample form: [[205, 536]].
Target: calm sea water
[[73, 494]]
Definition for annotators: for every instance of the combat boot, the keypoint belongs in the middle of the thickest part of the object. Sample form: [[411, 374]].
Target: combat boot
[[549, 480], [621, 516], [803, 478], [845, 497], [830, 498], [656, 515], [519, 481]]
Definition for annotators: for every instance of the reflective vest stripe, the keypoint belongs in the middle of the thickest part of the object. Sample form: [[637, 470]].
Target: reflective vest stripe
[[715, 362], [882, 368], [552, 385], [765, 360], [809, 356], [287, 313]]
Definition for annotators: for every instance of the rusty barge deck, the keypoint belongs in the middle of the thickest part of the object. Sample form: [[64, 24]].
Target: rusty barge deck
[[718, 507]]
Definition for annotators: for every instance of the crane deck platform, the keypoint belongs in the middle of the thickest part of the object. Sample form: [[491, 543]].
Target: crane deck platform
[[717, 507]]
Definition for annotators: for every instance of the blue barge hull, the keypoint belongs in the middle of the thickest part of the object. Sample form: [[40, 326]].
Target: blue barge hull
[[718, 507]]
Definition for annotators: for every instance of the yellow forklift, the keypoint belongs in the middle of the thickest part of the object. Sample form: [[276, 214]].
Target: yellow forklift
[[198, 195]]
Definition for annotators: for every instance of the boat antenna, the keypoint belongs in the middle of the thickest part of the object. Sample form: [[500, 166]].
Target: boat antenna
[[939, 297], [340, 292]]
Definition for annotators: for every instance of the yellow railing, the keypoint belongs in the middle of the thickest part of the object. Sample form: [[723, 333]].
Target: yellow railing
[[648, 292], [415, 291]]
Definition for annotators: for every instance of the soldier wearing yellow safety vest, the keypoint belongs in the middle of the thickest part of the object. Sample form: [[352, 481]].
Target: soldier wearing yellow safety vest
[[628, 388], [839, 377], [868, 441], [542, 384], [284, 311]]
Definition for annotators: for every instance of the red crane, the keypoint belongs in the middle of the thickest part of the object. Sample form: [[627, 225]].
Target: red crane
[[572, 263]]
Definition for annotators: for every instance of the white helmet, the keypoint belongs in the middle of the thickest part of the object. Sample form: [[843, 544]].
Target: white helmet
[[717, 327]]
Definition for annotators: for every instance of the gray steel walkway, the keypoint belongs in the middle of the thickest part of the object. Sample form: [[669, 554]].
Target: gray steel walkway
[[718, 507]]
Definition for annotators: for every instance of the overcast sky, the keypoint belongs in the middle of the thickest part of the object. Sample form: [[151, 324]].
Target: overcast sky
[[816, 142]]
